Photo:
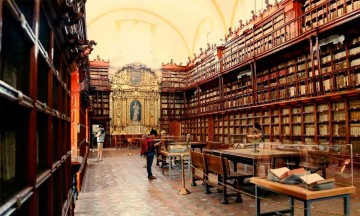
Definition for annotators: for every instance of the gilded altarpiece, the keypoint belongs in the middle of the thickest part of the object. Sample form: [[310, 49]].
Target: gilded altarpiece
[[135, 100]]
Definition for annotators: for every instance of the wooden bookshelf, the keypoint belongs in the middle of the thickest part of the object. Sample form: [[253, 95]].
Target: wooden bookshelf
[[172, 105], [295, 70], [37, 67]]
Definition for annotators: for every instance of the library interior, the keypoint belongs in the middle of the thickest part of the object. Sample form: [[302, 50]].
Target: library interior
[[185, 107]]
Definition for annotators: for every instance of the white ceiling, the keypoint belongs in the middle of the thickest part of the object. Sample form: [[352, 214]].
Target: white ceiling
[[153, 32]]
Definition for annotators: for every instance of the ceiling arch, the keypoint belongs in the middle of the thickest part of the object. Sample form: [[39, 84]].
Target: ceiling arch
[[145, 11], [177, 29]]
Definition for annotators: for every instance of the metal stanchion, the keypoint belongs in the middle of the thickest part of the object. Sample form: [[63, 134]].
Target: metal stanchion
[[183, 190], [130, 146], [129, 154]]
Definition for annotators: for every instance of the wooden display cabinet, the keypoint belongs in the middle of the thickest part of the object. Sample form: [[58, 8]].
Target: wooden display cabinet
[[193, 105], [322, 123], [354, 126], [265, 124], [172, 105], [285, 131], [296, 124], [173, 100]]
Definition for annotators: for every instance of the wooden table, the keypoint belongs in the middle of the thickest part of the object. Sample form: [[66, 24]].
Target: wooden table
[[300, 193], [250, 157], [171, 156], [193, 145]]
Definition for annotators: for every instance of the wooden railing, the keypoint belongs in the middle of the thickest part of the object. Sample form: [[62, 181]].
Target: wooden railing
[[293, 30], [288, 85]]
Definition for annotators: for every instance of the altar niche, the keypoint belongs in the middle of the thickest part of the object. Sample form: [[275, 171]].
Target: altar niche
[[134, 100], [135, 111]]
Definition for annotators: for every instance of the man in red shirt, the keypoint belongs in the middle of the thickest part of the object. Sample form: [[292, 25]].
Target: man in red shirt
[[148, 149]]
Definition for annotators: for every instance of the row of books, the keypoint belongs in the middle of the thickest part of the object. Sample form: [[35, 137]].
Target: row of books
[[355, 129]]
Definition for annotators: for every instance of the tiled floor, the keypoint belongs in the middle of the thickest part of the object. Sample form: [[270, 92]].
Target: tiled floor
[[118, 185]]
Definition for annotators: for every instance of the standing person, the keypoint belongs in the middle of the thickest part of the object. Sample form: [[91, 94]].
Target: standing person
[[100, 142], [149, 152]]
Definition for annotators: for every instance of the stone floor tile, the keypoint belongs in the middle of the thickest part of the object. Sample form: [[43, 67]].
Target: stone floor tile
[[118, 185]]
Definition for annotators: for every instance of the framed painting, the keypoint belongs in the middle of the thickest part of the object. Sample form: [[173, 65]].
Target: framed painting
[[135, 77], [135, 110]]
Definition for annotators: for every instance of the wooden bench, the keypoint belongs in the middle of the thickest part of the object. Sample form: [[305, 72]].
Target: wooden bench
[[220, 166], [198, 167], [302, 194]]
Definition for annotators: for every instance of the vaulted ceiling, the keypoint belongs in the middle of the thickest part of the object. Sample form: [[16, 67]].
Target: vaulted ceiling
[[153, 32]]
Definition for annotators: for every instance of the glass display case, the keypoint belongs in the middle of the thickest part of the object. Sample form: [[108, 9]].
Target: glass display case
[[304, 172], [305, 164], [331, 162]]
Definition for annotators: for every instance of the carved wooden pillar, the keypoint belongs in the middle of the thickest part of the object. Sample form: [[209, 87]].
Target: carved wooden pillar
[[123, 114]]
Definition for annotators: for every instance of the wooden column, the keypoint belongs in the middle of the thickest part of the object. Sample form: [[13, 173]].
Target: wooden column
[[75, 111]]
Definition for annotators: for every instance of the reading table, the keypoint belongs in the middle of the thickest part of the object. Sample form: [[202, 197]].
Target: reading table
[[250, 157], [171, 156]]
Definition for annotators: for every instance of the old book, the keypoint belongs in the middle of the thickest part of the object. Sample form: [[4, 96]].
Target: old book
[[317, 183], [298, 171], [293, 176], [311, 178], [278, 173]]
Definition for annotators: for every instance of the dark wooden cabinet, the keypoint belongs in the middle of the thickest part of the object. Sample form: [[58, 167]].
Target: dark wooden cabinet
[[100, 89]]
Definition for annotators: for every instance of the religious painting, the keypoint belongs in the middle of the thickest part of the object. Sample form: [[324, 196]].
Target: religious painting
[[135, 77], [135, 111]]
